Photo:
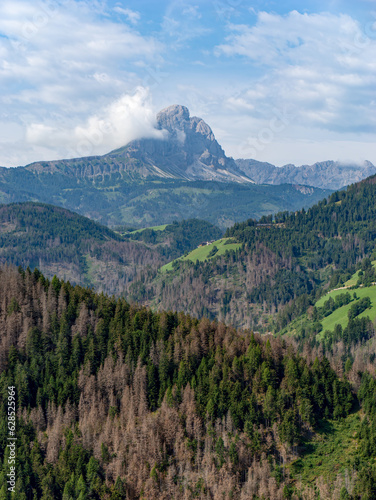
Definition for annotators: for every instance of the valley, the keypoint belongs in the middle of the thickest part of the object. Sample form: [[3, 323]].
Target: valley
[[187, 250], [294, 381], [150, 182]]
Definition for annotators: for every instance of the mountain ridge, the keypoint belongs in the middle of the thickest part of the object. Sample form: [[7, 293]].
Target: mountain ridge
[[157, 181], [280, 258], [63, 243], [326, 174], [188, 151]]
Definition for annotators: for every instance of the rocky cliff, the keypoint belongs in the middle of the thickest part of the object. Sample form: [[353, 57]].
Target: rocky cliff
[[187, 151], [327, 175]]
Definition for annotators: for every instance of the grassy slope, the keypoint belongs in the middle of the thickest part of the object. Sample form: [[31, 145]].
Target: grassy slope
[[201, 253], [339, 317], [354, 278]]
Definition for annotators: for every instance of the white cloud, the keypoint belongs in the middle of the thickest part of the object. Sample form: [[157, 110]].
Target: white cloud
[[132, 16], [192, 11], [60, 62], [68, 67], [124, 120], [73, 34], [239, 104], [74, 37], [322, 65], [181, 23], [305, 152]]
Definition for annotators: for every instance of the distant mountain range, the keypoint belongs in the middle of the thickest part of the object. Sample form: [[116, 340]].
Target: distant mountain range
[[156, 181], [189, 152], [184, 175], [327, 174]]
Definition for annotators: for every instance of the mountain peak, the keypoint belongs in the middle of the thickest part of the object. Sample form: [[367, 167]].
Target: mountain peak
[[173, 117], [189, 150]]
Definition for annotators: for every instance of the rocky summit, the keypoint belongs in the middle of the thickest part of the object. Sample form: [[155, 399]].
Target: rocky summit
[[188, 150], [325, 175]]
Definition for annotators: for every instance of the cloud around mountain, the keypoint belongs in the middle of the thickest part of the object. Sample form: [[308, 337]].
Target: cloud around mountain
[[68, 65], [126, 119]]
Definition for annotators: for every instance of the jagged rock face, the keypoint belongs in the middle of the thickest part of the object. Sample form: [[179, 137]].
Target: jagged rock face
[[189, 149], [327, 174], [173, 118]]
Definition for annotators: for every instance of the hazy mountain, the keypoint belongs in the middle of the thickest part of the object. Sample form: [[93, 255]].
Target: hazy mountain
[[328, 174], [148, 203], [156, 181], [188, 151]]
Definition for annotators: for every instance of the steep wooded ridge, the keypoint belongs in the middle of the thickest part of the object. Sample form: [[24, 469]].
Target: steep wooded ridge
[[117, 402], [328, 174], [58, 241], [75, 248], [184, 174], [281, 258]]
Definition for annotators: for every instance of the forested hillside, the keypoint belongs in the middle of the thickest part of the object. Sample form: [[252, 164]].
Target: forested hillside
[[115, 401], [75, 248], [112, 200], [283, 257], [174, 240]]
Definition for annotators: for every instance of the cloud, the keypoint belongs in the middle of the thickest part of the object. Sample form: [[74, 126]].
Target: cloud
[[62, 54], [129, 117], [181, 22], [192, 11], [69, 67], [132, 16], [63, 61], [322, 65]]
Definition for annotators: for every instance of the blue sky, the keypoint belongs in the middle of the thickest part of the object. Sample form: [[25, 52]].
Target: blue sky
[[290, 82]]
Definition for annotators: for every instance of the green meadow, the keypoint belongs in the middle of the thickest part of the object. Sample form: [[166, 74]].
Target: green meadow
[[203, 253]]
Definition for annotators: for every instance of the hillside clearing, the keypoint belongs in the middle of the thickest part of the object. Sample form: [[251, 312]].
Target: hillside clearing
[[202, 253]]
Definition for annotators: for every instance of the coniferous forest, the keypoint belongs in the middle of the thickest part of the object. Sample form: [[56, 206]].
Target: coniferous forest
[[110, 399], [115, 401], [280, 258], [187, 250]]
